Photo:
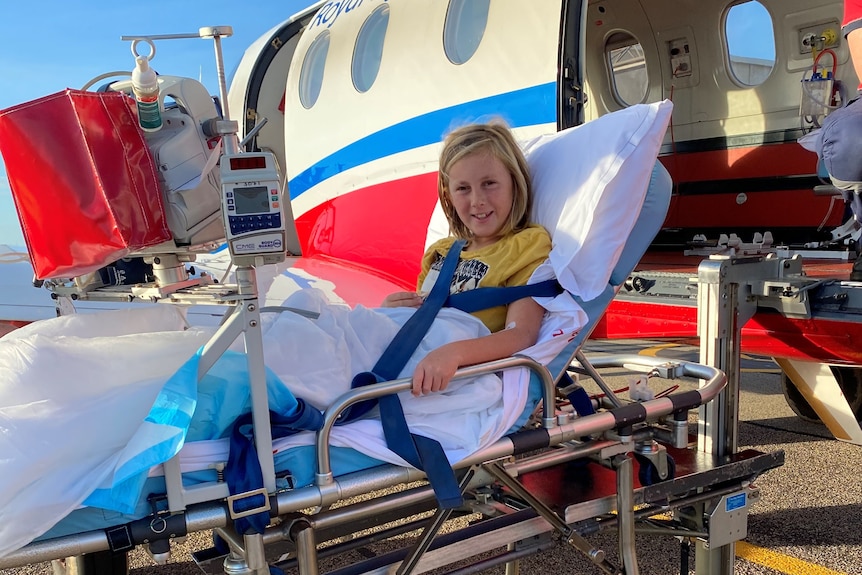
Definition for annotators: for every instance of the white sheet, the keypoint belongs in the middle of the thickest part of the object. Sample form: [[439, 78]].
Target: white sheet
[[88, 394]]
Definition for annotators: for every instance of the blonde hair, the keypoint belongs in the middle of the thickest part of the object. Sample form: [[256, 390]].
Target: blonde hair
[[495, 138]]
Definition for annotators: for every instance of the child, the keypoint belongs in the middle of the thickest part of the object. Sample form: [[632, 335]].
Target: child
[[485, 191]]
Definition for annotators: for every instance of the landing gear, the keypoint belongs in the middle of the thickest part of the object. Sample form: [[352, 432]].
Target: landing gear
[[849, 380]]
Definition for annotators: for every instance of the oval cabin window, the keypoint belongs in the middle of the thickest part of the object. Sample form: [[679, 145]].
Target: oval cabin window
[[628, 72], [464, 28], [369, 48], [311, 73], [750, 40]]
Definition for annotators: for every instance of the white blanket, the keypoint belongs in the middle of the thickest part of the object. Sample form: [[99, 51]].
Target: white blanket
[[88, 396]]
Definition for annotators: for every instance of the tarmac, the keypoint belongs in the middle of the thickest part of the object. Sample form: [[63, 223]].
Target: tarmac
[[807, 522]]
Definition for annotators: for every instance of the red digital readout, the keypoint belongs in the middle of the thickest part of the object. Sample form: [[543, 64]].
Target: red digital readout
[[248, 163]]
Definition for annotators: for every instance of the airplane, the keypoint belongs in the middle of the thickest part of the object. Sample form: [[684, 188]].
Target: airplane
[[357, 94]]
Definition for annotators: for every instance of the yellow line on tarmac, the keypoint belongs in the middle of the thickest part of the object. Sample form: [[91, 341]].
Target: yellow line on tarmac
[[779, 562], [656, 349], [653, 351]]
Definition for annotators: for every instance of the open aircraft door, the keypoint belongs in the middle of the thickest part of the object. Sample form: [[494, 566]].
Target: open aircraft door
[[256, 97], [571, 79]]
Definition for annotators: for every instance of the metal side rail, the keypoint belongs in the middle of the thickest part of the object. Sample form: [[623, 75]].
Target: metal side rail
[[329, 490]]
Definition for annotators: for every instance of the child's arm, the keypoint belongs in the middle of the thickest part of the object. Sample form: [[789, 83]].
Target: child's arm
[[523, 319]]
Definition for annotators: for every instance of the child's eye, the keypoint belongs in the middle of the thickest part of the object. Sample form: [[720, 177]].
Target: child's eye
[[461, 189]]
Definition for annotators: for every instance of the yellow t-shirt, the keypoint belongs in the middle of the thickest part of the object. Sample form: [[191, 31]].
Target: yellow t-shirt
[[508, 262]]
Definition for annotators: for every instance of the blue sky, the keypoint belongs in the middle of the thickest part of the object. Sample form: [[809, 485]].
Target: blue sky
[[51, 45]]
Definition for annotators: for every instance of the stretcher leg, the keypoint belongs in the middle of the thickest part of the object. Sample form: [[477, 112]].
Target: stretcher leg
[[512, 567], [624, 466], [306, 547], [597, 556], [428, 534], [724, 306]]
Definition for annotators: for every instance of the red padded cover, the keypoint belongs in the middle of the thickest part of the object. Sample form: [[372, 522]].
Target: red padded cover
[[83, 180]]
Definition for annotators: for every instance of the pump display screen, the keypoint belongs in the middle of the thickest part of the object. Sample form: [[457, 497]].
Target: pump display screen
[[248, 163], [253, 200]]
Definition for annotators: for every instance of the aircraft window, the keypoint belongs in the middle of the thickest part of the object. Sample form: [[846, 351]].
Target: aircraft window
[[311, 74], [750, 41], [464, 28], [369, 48], [628, 68]]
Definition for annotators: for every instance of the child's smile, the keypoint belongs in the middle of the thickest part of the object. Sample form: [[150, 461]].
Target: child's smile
[[481, 191]]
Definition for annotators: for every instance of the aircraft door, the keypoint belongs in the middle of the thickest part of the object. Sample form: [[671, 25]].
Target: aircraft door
[[572, 97], [257, 88]]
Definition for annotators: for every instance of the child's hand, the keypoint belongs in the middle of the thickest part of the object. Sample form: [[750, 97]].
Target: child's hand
[[403, 299], [434, 371]]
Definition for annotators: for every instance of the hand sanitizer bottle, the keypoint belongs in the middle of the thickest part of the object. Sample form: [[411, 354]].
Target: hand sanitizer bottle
[[145, 86]]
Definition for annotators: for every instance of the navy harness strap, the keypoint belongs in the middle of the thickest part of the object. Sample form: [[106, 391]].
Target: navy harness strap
[[242, 472], [487, 297], [419, 451]]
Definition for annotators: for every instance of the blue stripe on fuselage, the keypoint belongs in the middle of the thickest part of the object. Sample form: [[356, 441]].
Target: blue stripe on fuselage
[[526, 107]]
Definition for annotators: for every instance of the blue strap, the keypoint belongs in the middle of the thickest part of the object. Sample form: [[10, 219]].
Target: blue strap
[[242, 472], [419, 451], [487, 297], [405, 342], [577, 395]]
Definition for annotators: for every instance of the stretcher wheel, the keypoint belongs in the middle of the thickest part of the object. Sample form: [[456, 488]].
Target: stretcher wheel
[[103, 563], [648, 472], [220, 544]]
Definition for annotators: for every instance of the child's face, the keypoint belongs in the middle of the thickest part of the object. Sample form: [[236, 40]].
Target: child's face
[[481, 191]]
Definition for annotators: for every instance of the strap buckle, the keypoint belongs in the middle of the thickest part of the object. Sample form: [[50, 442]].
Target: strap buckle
[[233, 499]]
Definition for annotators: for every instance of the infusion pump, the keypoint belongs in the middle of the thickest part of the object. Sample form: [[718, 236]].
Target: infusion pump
[[254, 218]]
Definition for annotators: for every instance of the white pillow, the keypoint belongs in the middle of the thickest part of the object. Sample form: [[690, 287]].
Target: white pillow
[[589, 183]]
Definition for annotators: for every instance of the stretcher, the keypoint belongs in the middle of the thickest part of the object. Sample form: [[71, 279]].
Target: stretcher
[[511, 486]]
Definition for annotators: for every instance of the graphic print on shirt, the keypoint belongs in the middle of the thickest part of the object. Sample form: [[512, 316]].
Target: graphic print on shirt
[[468, 274]]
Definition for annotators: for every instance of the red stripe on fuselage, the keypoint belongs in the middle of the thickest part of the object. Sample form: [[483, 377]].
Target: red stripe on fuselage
[[382, 227]]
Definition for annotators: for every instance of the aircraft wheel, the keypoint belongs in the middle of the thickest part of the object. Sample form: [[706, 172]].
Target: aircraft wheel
[[797, 401], [849, 380], [648, 472]]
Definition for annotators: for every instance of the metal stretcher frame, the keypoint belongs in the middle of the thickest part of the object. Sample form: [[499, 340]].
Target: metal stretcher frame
[[613, 435]]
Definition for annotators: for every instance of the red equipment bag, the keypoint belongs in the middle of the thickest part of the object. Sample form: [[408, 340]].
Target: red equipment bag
[[83, 180]]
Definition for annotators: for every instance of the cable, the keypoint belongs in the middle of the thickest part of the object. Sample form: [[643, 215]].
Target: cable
[[828, 212], [834, 61], [104, 76]]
